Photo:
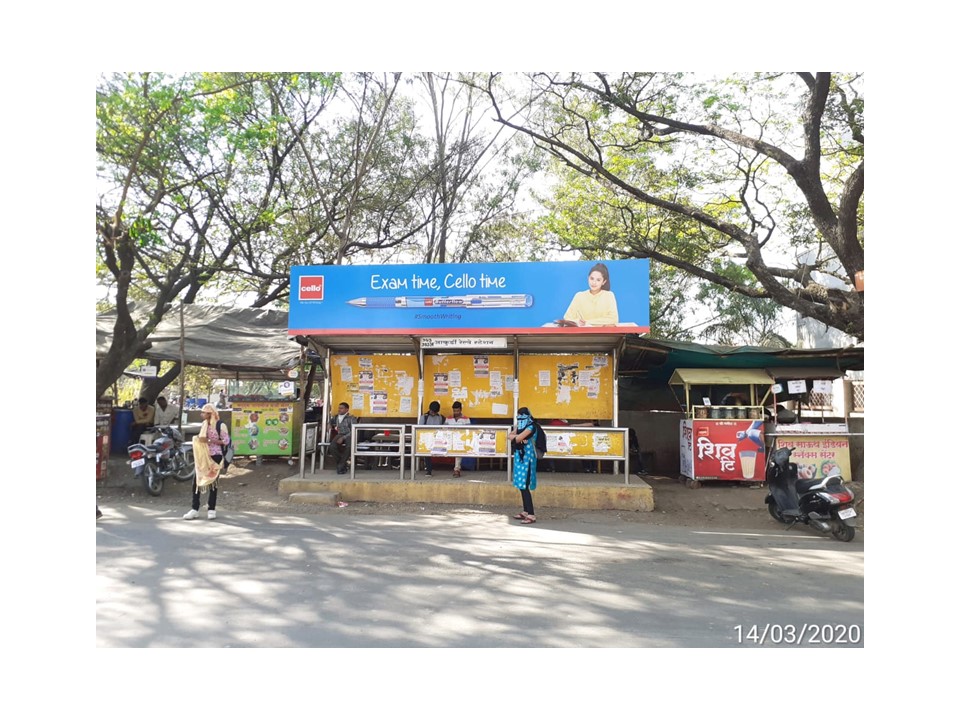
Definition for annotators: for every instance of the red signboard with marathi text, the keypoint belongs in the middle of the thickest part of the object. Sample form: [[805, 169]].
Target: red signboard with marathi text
[[722, 449]]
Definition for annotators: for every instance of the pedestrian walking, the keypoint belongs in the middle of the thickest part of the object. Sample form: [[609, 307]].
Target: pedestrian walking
[[208, 449]]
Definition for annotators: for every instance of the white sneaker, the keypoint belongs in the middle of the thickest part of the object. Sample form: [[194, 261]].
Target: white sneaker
[[191, 515], [211, 514]]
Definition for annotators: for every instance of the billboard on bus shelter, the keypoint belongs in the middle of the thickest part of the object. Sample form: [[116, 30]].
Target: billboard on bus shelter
[[476, 298]]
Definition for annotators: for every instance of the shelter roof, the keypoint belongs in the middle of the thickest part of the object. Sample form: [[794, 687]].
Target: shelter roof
[[564, 341]]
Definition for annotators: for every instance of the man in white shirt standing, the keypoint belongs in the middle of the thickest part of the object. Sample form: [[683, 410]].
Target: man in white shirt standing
[[165, 413], [457, 419]]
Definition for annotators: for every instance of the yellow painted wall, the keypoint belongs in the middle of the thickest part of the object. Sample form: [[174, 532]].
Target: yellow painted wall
[[567, 386], [575, 386], [483, 383], [395, 375]]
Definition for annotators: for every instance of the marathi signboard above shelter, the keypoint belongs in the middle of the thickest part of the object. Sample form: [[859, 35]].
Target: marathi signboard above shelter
[[464, 343], [475, 298]]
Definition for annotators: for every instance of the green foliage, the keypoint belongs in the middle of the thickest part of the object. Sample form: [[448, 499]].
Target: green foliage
[[711, 176]]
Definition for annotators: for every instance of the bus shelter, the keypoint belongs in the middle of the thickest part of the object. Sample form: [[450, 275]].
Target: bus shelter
[[492, 337]]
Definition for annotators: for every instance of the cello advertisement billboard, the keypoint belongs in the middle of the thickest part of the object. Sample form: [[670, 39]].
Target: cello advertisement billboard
[[610, 296]]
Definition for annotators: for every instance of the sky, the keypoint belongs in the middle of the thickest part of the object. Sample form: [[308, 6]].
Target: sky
[[49, 160]]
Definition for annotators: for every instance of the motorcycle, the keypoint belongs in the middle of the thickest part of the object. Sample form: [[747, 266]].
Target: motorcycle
[[167, 456], [824, 504]]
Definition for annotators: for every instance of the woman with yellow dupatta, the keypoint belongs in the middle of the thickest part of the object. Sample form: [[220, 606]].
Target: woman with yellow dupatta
[[208, 450]]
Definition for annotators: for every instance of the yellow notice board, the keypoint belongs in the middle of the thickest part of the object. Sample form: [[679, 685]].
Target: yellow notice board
[[375, 386], [483, 383], [567, 386], [584, 442], [463, 440]]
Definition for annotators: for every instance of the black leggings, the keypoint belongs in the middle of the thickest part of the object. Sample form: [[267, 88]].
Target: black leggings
[[527, 502], [526, 495], [212, 500]]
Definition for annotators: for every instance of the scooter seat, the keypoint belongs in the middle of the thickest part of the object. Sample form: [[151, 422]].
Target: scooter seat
[[803, 486]]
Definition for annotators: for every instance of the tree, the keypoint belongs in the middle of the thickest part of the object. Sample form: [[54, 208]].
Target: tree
[[360, 176], [189, 169], [763, 173], [475, 178]]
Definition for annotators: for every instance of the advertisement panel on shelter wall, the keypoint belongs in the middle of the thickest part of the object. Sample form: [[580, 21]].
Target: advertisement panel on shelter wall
[[477, 298]]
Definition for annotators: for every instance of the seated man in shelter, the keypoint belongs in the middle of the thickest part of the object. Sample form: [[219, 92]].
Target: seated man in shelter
[[341, 425], [457, 419], [431, 417]]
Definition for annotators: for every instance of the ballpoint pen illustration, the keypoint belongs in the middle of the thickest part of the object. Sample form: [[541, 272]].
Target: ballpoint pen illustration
[[446, 301]]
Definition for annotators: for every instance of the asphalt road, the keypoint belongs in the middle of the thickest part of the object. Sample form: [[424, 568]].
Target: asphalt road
[[466, 579]]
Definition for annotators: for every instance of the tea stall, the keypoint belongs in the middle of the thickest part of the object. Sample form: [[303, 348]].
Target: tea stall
[[721, 435]]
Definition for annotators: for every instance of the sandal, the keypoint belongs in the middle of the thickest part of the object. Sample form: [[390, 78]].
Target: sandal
[[528, 520], [520, 516]]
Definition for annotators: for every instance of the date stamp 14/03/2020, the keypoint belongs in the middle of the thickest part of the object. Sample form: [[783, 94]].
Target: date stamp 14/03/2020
[[804, 634]]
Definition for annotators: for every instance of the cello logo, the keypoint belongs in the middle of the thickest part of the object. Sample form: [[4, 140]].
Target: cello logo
[[311, 287]]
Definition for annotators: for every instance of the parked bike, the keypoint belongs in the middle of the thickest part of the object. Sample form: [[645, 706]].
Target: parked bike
[[167, 456], [825, 504]]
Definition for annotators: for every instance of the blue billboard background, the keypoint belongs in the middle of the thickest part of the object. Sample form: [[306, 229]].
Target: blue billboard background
[[479, 298]]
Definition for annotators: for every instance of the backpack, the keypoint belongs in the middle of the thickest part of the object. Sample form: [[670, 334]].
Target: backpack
[[228, 450], [540, 443]]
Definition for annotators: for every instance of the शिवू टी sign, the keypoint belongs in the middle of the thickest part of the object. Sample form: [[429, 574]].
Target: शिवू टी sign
[[474, 298]]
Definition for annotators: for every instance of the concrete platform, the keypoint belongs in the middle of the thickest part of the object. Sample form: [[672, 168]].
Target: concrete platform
[[315, 498], [575, 491]]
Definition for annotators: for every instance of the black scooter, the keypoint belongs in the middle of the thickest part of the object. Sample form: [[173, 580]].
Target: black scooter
[[824, 504]]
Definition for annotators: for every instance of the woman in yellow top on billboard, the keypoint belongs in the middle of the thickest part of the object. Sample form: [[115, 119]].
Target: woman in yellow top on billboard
[[596, 306]]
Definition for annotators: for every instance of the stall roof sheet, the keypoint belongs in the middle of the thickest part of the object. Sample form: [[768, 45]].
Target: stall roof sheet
[[719, 376], [231, 339], [656, 360]]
